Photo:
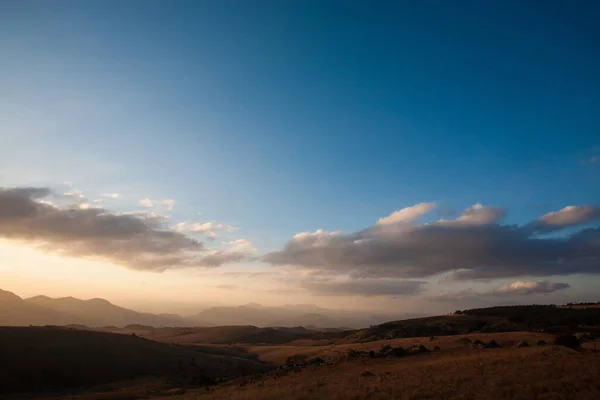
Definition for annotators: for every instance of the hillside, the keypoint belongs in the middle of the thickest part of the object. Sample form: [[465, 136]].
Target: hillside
[[245, 334], [46, 359], [457, 371]]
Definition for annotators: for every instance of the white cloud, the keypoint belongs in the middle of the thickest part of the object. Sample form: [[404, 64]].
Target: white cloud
[[75, 195], [111, 195], [407, 215], [528, 287], [240, 245], [207, 228], [146, 203], [168, 203]]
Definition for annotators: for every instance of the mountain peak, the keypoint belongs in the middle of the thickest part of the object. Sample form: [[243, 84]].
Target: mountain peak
[[5, 295]]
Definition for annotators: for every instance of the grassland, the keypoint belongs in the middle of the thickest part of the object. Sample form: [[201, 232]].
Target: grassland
[[457, 371]]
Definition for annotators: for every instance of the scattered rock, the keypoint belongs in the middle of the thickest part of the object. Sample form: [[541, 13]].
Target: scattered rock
[[522, 344], [367, 374], [542, 343], [436, 348]]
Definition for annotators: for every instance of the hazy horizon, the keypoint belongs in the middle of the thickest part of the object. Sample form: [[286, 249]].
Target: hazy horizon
[[402, 158]]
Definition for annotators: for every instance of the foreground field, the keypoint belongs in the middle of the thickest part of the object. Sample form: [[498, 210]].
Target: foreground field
[[545, 372], [458, 369]]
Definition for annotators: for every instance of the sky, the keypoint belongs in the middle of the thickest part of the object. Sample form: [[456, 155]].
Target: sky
[[414, 156]]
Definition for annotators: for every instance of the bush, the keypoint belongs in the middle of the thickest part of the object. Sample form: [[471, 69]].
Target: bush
[[569, 341]]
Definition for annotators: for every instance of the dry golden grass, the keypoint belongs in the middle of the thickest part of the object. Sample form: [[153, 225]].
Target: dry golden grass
[[546, 373], [278, 354]]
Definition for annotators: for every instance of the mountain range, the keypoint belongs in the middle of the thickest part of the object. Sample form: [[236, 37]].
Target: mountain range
[[44, 310]]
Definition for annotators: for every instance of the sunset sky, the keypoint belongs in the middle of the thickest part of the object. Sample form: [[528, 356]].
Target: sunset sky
[[418, 156]]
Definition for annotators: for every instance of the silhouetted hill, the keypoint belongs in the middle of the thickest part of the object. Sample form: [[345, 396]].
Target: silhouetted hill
[[15, 311], [102, 312], [546, 318], [43, 359], [43, 310]]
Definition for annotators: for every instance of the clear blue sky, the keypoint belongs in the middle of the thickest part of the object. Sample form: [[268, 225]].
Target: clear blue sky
[[290, 116]]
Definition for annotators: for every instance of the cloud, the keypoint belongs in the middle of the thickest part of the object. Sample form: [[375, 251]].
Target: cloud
[[146, 203], [524, 287], [364, 287], [167, 204], [473, 246], [111, 195], [406, 215], [207, 228], [240, 245], [567, 217], [136, 240], [74, 195]]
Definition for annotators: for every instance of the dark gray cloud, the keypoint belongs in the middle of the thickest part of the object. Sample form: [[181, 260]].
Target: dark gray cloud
[[136, 240], [473, 246], [524, 288], [364, 287]]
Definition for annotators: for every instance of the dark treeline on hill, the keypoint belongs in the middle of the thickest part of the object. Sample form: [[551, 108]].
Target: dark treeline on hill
[[541, 316]]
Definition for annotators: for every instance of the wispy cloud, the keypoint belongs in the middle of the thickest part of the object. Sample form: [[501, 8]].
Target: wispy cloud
[[167, 204]]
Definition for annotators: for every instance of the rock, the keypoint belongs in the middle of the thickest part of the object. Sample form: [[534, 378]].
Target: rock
[[542, 343], [367, 374], [436, 348], [522, 344]]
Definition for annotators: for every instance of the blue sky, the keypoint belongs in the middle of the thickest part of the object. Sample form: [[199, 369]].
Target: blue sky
[[281, 117]]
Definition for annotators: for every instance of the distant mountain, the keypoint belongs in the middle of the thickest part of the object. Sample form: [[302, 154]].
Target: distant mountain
[[102, 312], [16, 311], [43, 310], [287, 316]]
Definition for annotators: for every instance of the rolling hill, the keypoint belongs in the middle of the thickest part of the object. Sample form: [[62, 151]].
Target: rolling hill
[[52, 358]]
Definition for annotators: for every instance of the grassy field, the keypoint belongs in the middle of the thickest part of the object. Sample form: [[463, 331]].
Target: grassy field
[[458, 371]]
